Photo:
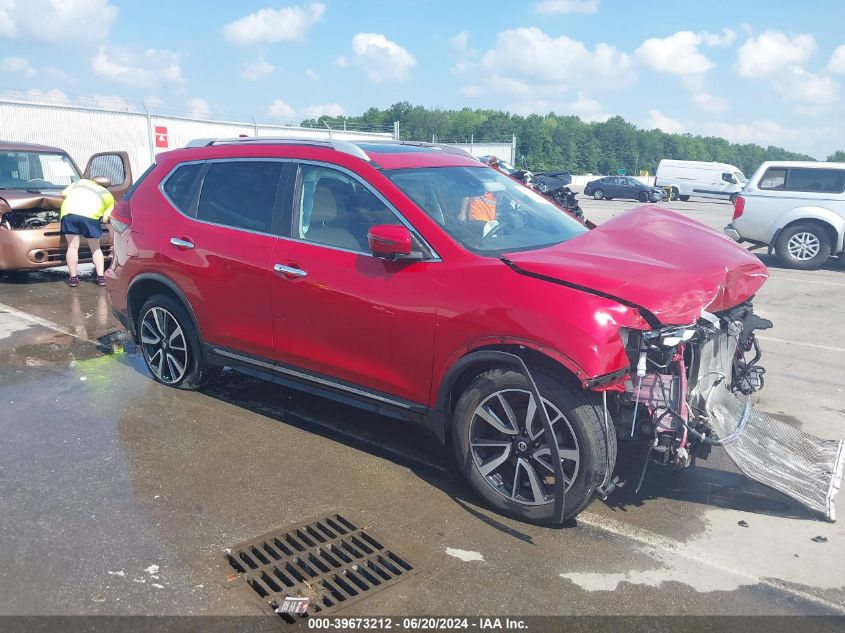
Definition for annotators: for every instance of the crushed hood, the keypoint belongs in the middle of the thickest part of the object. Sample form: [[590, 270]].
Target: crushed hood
[[21, 200], [654, 259]]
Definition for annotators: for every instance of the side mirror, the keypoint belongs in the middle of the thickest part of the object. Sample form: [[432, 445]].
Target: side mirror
[[389, 241], [103, 181]]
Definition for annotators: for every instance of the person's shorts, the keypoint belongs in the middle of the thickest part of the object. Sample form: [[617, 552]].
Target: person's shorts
[[79, 225]]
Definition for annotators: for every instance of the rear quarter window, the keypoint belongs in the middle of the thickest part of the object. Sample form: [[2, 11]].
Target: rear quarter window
[[774, 179], [179, 186]]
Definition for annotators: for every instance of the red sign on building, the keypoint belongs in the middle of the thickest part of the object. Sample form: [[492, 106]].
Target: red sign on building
[[161, 136]]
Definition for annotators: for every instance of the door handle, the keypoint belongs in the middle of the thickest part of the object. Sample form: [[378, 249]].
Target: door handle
[[289, 270], [180, 243]]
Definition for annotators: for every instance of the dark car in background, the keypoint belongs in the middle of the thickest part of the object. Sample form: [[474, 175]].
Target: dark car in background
[[611, 187]]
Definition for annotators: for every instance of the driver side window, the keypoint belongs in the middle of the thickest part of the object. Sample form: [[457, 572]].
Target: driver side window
[[337, 210]]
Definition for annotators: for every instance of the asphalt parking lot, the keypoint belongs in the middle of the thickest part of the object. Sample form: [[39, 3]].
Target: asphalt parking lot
[[119, 496]]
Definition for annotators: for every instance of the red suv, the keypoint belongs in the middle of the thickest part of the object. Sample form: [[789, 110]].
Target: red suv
[[413, 279]]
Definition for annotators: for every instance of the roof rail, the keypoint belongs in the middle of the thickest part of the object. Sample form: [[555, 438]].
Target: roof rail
[[340, 146]]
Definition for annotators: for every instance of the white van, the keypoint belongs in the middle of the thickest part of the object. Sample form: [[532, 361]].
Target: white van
[[696, 178], [796, 208]]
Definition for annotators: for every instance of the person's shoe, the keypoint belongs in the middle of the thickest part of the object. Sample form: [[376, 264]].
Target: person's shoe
[[101, 280], [73, 282]]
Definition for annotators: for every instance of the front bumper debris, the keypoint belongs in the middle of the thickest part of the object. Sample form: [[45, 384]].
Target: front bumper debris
[[800, 465]]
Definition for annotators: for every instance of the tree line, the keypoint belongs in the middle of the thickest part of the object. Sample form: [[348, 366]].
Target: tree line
[[555, 141]]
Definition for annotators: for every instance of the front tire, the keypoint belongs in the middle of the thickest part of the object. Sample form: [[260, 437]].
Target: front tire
[[598, 194], [803, 246], [686, 198], [501, 449], [170, 345], [642, 196]]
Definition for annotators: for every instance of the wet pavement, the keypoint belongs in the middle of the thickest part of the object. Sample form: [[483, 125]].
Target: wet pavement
[[119, 495]]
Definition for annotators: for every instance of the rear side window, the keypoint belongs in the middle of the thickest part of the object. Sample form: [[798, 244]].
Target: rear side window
[[179, 185], [240, 194], [773, 179], [816, 180]]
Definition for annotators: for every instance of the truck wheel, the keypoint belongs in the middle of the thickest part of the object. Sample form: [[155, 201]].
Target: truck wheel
[[803, 246], [170, 345], [598, 194], [502, 452], [684, 198], [674, 194]]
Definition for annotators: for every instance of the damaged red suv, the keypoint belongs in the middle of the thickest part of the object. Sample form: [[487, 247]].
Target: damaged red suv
[[414, 280]]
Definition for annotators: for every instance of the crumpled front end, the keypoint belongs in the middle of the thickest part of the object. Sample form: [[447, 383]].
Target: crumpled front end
[[689, 390]]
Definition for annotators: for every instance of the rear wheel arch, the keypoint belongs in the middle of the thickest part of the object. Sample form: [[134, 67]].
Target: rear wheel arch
[[145, 286], [829, 229]]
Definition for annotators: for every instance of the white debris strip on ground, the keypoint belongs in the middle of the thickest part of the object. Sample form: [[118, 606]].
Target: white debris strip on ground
[[152, 569], [464, 555], [120, 573]]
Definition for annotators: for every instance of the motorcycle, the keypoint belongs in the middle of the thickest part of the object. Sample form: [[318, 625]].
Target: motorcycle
[[552, 185]]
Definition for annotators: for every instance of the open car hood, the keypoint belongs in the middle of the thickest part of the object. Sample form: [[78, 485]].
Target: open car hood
[[658, 261]]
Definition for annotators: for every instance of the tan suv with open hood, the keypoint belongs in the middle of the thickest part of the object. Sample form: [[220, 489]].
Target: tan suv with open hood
[[32, 178]]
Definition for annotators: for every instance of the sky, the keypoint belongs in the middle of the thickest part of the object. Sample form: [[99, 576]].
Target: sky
[[753, 71]]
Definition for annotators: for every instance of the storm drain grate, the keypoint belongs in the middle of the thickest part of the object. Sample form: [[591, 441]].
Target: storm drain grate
[[330, 561]]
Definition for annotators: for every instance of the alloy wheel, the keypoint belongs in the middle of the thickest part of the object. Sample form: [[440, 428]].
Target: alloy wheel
[[510, 451], [803, 246], [164, 346]]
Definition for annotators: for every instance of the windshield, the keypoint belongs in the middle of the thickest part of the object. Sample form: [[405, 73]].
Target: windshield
[[485, 210], [740, 177], [36, 170]]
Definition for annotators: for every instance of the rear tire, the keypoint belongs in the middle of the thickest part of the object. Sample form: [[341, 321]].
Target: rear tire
[[170, 345], [598, 194], [803, 246], [686, 198], [674, 194], [508, 487]]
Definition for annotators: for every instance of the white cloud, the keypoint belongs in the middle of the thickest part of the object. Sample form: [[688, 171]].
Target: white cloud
[[772, 52], [341, 61], [58, 73], [84, 21], [17, 65], [837, 61], [460, 45], [658, 120], [326, 109], [811, 93], [112, 102], [679, 53], [382, 59], [273, 25], [281, 110], [709, 103], [257, 70], [530, 54], [198, 108], [311, 74], [567, 6], [587, 109], [153, 67], [764, 132], [53, 96]]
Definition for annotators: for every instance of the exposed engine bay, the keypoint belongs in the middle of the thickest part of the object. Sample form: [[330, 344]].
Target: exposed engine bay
[[688, 390], [27, 219]]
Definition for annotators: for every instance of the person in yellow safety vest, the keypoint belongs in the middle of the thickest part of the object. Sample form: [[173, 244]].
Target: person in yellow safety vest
[[86, 204]]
